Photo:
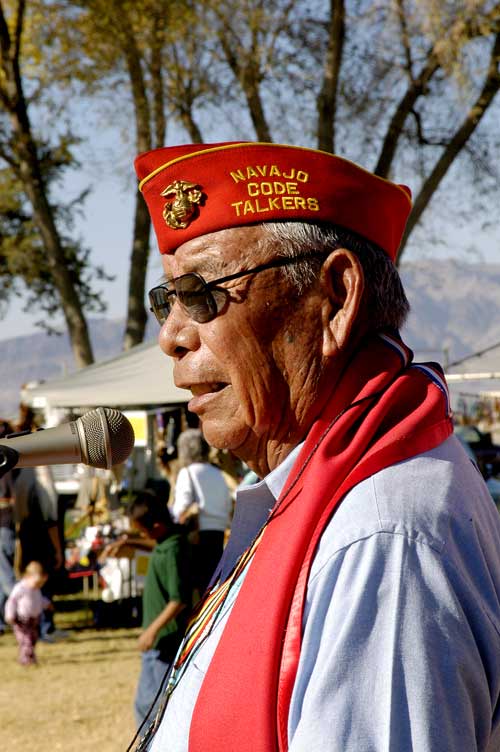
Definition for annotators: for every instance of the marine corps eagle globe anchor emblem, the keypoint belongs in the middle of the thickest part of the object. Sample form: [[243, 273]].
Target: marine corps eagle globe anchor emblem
[[180, 212]]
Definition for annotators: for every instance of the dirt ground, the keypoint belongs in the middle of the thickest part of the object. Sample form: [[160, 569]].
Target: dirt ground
[[79, 696]]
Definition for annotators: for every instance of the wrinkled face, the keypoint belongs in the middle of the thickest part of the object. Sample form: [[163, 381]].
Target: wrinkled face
[[252, 370]]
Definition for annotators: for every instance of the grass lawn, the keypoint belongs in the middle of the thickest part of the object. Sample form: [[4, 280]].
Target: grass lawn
[[79, 697]]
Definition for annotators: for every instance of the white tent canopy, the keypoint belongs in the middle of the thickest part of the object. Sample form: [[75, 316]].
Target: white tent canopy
[[479, 374], [139, 377]]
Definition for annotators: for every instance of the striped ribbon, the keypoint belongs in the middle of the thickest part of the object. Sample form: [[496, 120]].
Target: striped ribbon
[[206, 614]]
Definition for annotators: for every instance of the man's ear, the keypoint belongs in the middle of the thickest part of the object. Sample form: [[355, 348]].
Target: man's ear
[[343, 284]]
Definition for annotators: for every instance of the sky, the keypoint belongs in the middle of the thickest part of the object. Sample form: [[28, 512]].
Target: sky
[[106, 228]]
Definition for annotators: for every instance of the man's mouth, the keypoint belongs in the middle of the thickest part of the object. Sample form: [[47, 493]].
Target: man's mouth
[[198, 390], [203, 394]]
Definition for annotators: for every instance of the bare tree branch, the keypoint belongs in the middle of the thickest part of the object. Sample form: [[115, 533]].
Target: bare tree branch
[[470, 123], [405, 38], [246, 69], [422, 138], [21, 7], [469, 29], [157, 43], [10, 160], [281, 28], [4, 36], [404, 108], [133, 60]]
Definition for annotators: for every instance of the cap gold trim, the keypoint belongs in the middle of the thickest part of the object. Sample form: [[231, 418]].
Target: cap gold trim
[[251, 144]]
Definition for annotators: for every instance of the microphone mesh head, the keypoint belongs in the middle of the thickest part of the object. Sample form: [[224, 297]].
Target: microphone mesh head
[[121, 437]]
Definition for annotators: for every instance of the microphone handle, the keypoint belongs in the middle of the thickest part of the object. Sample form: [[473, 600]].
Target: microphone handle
[[51, 446]]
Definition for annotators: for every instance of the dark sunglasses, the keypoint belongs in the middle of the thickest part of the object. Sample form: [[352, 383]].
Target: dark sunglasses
[[200, 299]]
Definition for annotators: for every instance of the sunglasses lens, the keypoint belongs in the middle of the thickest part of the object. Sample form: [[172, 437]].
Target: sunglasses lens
[[159, 299], [195, 298], [198, 301]]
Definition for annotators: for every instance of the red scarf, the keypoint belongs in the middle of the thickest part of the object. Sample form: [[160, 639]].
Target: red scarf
[[383, 411]]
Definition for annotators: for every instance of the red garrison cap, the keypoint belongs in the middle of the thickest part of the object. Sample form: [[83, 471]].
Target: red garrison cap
[[195, 189]]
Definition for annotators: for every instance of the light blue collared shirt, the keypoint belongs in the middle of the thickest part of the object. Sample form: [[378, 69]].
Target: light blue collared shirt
[[401, 629]]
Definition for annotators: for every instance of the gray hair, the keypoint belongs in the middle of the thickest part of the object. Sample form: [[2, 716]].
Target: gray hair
[[192, 447], [387, 304]]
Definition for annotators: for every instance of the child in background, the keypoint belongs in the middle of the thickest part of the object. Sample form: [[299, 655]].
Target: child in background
[[23, 610]]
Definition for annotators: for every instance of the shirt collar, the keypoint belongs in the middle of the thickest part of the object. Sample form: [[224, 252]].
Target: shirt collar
[[276, 479], [252, 509]]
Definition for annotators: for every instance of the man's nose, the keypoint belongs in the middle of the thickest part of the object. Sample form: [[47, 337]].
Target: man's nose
[[179, 333]]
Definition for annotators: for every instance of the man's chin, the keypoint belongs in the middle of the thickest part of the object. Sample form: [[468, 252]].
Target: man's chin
[[221, 435]]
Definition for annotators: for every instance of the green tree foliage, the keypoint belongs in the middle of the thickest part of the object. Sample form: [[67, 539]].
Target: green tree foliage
[[24, 267]]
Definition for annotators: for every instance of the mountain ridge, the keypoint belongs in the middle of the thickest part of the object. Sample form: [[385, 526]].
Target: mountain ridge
[[455, 311]]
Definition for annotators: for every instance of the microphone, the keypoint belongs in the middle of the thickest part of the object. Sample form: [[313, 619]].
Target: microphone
[[100, 438]]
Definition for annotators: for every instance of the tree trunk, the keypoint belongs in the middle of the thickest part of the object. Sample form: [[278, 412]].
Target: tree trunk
[[24, 148], [191, 127], [327, 98], [136, 312], [256, 109], [158, 39], [247, 73], [44, 221], [462, 135]]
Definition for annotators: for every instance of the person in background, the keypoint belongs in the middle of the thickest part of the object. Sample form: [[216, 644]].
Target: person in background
[[231, 467], [24, 608], [97, 497], [357, 603], [249, 478], [37, 526], [7, 531], [26, 420], [166, 598], [202, 493]]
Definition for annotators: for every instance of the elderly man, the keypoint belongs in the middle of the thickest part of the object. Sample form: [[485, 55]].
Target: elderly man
[[356, 606]]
